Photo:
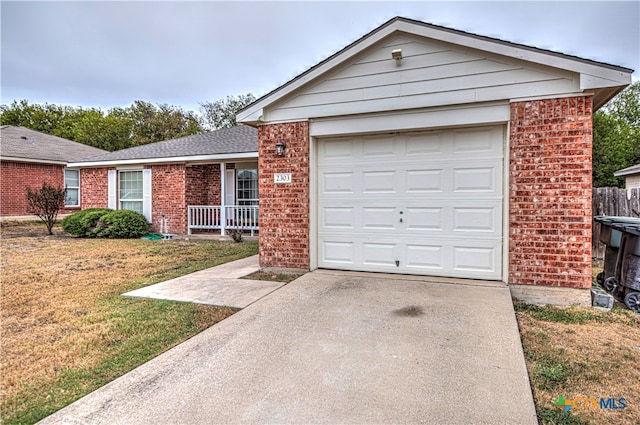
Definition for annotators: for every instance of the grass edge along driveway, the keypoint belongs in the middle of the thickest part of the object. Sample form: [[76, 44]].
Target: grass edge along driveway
[[67, 331]]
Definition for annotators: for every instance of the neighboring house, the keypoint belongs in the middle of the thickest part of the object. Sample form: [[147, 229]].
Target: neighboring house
[[30, 158], [631, 176], [202, 182], [424, 150]]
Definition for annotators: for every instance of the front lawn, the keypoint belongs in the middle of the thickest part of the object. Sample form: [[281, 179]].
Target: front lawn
[[66, 330], [582, 354]]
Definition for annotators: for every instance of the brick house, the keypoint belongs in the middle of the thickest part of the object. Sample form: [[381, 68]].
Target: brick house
[[29, 158], [204, 182], [420, 149], [631, 176]]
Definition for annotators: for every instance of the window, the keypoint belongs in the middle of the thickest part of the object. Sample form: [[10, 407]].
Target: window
[[72, 185], [130, 192], [247, 187]]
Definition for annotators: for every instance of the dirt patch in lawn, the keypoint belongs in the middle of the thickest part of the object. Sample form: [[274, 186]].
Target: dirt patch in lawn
[[582, 353], [273, 277], [65, 327]]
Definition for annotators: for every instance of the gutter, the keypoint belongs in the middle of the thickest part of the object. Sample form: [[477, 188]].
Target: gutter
[[178, 159], [31, 160]]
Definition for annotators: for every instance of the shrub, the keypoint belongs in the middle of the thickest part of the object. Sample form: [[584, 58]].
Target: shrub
[[83, 222], [122, 224], [45, 203]]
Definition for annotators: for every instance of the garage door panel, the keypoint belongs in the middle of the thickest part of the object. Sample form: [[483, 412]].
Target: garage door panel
[[379, 218], [476, 140], [475, 219], [379, 182], [381, 146], [342, 218], [424, 181], [379, 254], [475, 179], [482, 260], [340, 182], [337, 253], [417, 203], [425, 144], [424, 219], [336, 149], [424, 258]]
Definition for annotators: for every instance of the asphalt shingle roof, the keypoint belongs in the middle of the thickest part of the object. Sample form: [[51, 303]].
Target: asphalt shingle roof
[[27, 144], [238, 139]]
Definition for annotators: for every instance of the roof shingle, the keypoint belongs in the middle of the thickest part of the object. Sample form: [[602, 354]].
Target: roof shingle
[[26, 144], [238, 139]]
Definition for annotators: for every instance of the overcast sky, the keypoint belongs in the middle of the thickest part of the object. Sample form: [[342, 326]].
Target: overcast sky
[[107, 54]]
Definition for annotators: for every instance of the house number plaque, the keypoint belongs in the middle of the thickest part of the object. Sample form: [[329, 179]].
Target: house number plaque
[[282, 178]]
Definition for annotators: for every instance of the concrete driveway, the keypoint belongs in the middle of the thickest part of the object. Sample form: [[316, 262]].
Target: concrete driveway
[[336, 347]]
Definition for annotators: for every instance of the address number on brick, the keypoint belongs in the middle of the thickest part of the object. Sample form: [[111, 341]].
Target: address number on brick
[[282, 178]]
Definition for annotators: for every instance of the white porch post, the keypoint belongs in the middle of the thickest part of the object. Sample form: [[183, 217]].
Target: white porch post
[[223, 210]]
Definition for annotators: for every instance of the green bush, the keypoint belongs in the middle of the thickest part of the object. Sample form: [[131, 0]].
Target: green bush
[[122, 224], [83, 222]]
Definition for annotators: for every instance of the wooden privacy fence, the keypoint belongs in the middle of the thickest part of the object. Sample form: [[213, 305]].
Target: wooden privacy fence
[[612, 201]]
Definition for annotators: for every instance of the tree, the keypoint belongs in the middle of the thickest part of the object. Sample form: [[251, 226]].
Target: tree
[[222, 113], [45, 203], [118, 128], [616, 137]]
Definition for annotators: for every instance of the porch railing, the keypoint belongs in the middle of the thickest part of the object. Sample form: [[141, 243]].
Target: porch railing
[[216, 217]]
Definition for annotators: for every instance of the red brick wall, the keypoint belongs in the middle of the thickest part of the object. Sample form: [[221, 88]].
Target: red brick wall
[[203, 185], [550, 192], [94, 188], [284, 208], [168, 193], [15, 177]]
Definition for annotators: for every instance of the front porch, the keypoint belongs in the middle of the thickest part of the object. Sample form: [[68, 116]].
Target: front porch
[[222, 218]]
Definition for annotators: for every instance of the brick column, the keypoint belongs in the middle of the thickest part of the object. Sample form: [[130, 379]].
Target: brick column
[[284, 208], [550, 192]]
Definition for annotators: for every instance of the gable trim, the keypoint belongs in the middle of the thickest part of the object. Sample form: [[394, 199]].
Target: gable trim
[[593, 74]]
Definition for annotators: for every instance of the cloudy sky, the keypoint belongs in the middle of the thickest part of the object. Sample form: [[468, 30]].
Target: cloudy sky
[[107, 54]]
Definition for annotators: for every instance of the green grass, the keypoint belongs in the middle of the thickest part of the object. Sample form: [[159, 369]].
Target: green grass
[[559, 315], [553, 416]]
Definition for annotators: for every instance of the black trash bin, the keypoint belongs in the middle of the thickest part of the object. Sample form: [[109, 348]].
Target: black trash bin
[[622, 276]]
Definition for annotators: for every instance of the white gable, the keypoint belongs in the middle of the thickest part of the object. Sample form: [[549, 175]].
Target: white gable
[[439, 67], [431, 74]]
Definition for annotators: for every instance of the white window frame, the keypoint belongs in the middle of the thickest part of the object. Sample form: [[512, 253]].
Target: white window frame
[[66, 187], [114, 201], [239, 188], [123, 174]]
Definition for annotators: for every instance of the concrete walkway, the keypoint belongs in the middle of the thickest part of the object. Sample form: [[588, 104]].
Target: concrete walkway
[[218, 285], [336, 347]]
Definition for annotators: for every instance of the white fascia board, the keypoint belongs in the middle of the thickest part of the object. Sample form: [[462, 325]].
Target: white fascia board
[[177, 159], [37, 161], [615, 77]]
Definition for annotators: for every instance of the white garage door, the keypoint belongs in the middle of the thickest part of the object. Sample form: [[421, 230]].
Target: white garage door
[[426, 203]]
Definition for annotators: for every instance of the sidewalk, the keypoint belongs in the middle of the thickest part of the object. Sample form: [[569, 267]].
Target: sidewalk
[[220, 285]]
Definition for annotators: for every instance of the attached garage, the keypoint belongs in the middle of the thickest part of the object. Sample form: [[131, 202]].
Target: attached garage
[[424, 150], [417, 202]]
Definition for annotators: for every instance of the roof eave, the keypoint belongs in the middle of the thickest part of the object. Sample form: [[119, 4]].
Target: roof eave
[[168, 160], [628, 171], [32, 160]]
